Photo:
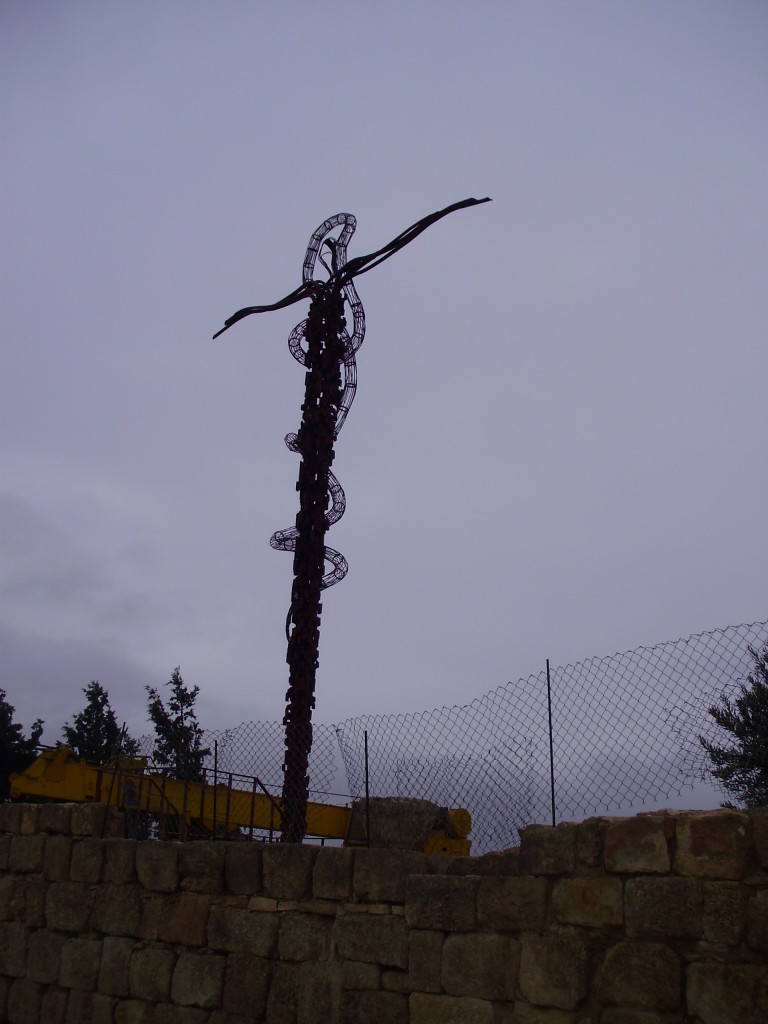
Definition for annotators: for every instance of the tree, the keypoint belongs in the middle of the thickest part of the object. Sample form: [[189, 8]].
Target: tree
[[95, 735], [742, 767], [17, 751], [178, 735]]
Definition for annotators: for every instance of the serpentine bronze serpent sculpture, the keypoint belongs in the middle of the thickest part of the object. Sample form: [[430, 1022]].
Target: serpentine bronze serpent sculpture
[[323, 345]]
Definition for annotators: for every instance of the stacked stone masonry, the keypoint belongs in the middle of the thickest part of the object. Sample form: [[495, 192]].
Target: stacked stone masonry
[[657, 919]]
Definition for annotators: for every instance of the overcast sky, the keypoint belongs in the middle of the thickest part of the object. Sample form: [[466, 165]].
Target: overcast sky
[[557, 448]]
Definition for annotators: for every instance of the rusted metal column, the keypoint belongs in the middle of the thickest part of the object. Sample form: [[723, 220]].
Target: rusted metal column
[[324, 359]]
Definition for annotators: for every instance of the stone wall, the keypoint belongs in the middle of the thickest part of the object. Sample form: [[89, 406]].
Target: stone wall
[[658, 919]]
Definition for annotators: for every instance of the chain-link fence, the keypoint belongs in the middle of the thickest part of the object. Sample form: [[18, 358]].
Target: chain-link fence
[[625, 733], [255, 749]]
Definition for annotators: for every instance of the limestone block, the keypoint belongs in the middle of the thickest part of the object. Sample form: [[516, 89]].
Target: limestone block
[[10, 818], [642, 974], [553, 971], [113, 970], [589, 902], [152, 914], [246, 985], [24, 1000], [288, 870], [304, 937], [87, 858], [357, 975], [526, 1013], [332, 876], [185, 919], [13, 949], [102, 1009], [425, 950], [201, 866], [757, 921], [78, 1006], [440, 863], [760, 836], [27, 854], [13, 893], [283, 994], [590, 839], [380, 875], [374, 939], [80, 960], [68, 906], [396, 981], [442, 902], [664, 908], [5, 985], [548, 851], [92, 1007], [132, 1011], [724, 912], [5, 850], [88, 819], [361, 1007], [157, 866], [34, 901], [433, 1009], [497, 864], [713, 844], [638, 845], [115, 825], [198, 980], [117, 910], [56, 818], [150, 971], [58, 856], [396, 823], [30, 819], [242, 931], [727, 993], [120, 861], [483, 966], [44, 956], [53, 1006], [242, 868], [319, 993], [512, 904]]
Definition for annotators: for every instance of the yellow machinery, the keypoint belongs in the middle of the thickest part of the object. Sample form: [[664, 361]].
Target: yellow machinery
[[202, 809]]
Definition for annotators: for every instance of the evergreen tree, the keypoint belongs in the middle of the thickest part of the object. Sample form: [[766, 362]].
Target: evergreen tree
[[178, 735], [17, 751], [95, 735], [742, 767]]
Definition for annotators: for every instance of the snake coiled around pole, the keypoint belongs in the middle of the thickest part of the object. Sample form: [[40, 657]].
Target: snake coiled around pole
[[285, 540]]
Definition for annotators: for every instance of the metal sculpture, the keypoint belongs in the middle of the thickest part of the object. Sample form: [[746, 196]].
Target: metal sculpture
[[325, 347]]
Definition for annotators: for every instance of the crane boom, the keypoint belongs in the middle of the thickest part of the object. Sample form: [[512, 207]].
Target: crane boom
[[214, 809]]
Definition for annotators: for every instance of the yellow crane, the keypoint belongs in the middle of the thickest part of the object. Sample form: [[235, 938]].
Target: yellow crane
[[202, 808]]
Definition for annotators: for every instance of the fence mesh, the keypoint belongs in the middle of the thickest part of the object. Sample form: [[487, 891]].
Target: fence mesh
[[625, 733], [255, 749]]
